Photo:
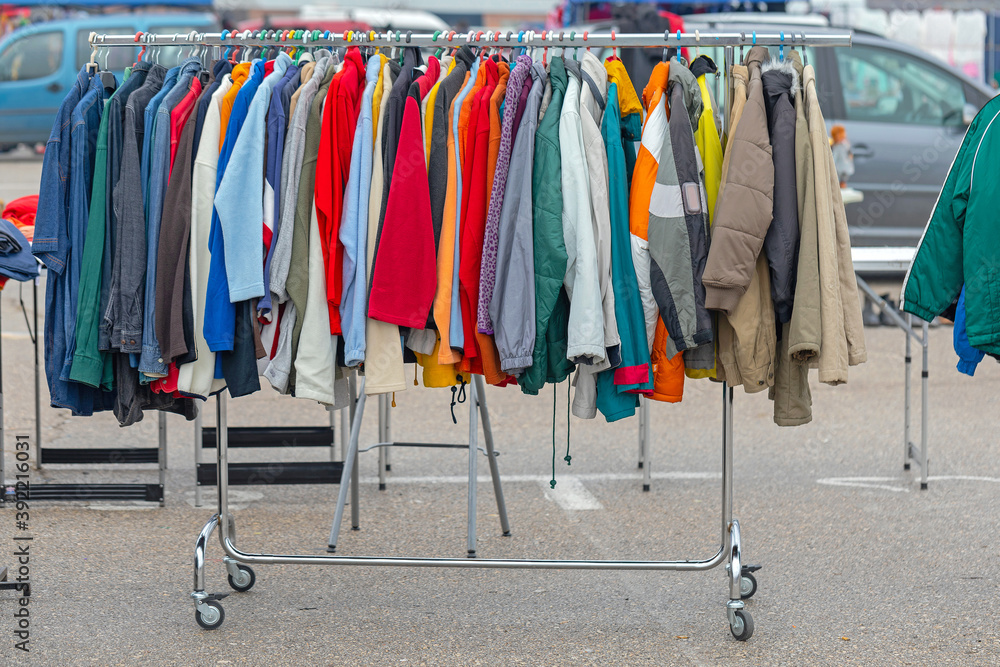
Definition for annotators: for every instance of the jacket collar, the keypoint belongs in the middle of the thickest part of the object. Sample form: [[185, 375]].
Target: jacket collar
[[682, 76]]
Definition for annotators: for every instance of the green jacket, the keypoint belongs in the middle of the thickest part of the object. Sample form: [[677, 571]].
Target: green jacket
[[549, 362], [961, 243]]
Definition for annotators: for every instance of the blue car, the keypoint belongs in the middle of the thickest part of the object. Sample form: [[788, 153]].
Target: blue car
[[39, 63]]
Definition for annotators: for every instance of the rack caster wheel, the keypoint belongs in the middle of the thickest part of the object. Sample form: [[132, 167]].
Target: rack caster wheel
[[212, 617], [243, 581], [748, 586], [741, 625]]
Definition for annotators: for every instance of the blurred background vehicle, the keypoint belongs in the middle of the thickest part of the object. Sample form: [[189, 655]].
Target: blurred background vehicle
[[39, 63]]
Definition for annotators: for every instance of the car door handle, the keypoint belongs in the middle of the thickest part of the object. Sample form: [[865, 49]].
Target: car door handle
[[862, 150], [54, 87]]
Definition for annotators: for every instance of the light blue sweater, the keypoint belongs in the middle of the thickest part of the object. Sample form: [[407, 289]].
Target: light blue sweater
[[240, 199], [354, 228]]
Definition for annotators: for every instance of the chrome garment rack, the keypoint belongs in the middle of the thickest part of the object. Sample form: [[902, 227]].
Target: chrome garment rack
[[208, 611]]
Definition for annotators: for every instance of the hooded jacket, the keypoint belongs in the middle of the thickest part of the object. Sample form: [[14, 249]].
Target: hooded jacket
[[800, 338], [781, 243], [840, 307], [745, 205], [678, 235], [747, 338], [961, 243], [667, 364]]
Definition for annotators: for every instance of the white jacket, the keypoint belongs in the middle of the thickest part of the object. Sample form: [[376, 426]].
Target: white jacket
[[585, 334], [198, 377], [592, 101]]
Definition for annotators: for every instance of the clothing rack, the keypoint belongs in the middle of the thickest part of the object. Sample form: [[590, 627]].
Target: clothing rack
[[208, 611], [106, 491]]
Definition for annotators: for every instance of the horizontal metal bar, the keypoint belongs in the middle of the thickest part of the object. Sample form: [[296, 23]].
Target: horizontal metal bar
[[427, 445], [271, 436], [253, 474], [480, 563], [100, 455], [85, 492], [566, 38]]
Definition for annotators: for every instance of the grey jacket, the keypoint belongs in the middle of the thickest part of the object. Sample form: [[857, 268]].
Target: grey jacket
[[678, 234], [512, 308], [280, 367], [781, 243]]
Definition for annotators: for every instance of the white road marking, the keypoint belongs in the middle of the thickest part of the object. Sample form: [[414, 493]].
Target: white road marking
[[882, 482], [571, 494]]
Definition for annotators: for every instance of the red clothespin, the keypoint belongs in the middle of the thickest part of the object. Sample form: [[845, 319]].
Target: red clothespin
[[614, 49], [585, 34]]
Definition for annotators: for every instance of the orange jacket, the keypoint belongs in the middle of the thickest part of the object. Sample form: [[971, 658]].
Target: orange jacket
[[668, 372]]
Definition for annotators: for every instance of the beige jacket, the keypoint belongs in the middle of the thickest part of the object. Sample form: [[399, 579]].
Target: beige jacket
[[843, 342], [747, 337]]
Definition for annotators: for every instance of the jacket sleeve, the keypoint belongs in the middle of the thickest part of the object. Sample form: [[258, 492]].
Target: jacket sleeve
[[968, 356], [130, 245], [743, 210], [935, 277]]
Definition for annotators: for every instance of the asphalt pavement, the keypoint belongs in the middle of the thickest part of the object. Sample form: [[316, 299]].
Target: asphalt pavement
[[859, 565]]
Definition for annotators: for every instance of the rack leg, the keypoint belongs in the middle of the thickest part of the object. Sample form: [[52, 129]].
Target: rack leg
[[642, 422], [473, 466], [38, 376], [333, 434], [199, 555], [197, 454], [357, 411], [907, 364], [383, 417], [923, 408], [484, 414], [345, 430], [387, 461], [162, 438], [647, 468], [347, 478]]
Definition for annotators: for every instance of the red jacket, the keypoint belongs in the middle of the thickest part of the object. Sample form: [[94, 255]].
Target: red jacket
[[404, 278], [340, 117], [475, 200]]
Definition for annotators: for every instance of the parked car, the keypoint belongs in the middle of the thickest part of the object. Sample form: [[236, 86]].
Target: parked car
[[905, 113], [39, 63]]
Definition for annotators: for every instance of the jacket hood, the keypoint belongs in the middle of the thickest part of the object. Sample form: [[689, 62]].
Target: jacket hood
[[779, 78], [758, 55], [682, 76], [703, 65]]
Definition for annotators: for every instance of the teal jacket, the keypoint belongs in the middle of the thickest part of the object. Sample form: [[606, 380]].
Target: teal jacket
[[616, 401], [549, 362], [961, 243]]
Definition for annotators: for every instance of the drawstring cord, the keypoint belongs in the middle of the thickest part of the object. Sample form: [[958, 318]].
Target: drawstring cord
[[567, 458], [552, 482], [459, 398]]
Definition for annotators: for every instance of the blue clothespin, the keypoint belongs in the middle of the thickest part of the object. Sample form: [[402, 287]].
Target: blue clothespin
[[781, 48], [754, 38]]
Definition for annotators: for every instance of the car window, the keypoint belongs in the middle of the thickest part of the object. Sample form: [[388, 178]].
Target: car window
[[117, 58], [31, 57], [886, 86]]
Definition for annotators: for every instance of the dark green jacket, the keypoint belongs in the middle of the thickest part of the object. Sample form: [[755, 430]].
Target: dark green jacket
[[961, 243], [549, 362]]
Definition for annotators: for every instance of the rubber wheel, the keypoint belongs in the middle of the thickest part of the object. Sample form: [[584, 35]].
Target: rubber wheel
[[748, 586], [743, 628], [214, 620], [248, 585]]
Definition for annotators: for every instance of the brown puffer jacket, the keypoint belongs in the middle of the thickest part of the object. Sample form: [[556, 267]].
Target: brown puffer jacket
[[747, 337], [744, 208]]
